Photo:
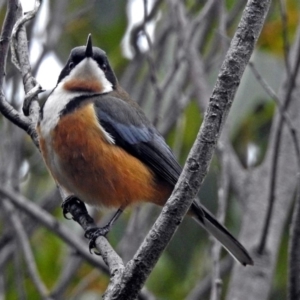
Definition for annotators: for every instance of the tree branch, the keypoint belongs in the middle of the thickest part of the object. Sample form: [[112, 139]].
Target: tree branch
[[5, 108], [242, 45], [286, 102], [205, 285], [52, 224], [28, 255], [20, 57], [223, 191]]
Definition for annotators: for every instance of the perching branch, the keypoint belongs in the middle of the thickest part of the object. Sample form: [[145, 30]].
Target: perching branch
[[196, 167]]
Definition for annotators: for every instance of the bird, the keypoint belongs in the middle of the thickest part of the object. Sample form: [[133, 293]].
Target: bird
[[100, 147]]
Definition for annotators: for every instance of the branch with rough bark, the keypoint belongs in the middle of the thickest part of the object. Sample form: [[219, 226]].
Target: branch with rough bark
[[196, 167]]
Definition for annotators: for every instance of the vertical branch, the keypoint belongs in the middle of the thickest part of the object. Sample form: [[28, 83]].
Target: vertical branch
[[272, 188], [151, 64], [294, 246], [20, 57], [6, 109], [222, 207], [294, 241], [204, 286], [286, 45]]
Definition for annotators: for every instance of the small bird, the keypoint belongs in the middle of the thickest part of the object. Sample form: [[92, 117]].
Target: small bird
[[100, 147]]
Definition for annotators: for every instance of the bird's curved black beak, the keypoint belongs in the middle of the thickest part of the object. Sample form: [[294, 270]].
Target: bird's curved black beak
[[89, 47]]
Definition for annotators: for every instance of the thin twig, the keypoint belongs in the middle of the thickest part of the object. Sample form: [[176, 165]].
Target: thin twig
[[25, 246], [235, 12], [83, 284], [5, 108], [20, 57], [203, 287], [18, 25], [294, 241], [272, 189], [52, 224], [198, 21], [175, 110], [194, 60], [286, 45], [283, 112], [152, 67], [223, 190], [134, 35], [69, 268], [294, 245]]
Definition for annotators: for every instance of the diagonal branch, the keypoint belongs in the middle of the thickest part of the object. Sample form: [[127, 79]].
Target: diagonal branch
[[52, 224], [196, 167], [28, 255]]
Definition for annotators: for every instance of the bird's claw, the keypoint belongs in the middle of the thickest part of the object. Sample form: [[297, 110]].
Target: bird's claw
[[92, 234]]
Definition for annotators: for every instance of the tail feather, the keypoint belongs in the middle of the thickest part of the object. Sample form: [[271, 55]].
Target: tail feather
[[209, 223]]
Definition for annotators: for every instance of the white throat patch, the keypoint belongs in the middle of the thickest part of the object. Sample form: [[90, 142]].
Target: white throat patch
[[87, 69]]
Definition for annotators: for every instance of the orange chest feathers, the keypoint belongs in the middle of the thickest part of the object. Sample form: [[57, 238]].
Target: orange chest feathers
[[100, 173]]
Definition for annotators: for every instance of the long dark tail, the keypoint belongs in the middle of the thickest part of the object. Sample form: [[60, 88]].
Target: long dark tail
[[209, 223]]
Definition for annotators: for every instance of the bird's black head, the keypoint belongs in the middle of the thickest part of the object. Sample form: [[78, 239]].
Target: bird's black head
[[84, 61]]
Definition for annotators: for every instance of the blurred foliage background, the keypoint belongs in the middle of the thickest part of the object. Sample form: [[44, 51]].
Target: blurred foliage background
[[63, 25]]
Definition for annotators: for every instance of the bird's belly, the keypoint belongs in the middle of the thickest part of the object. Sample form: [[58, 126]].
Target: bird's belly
[[98, 172]]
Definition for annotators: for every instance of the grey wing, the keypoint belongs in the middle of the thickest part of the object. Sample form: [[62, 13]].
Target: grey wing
[[132, 131]]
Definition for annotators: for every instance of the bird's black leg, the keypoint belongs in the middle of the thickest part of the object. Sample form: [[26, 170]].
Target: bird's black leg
[[93, 233], [74, 206]]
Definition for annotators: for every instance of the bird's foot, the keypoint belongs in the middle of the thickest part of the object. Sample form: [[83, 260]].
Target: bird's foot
[[93, 233], [71, 203]]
